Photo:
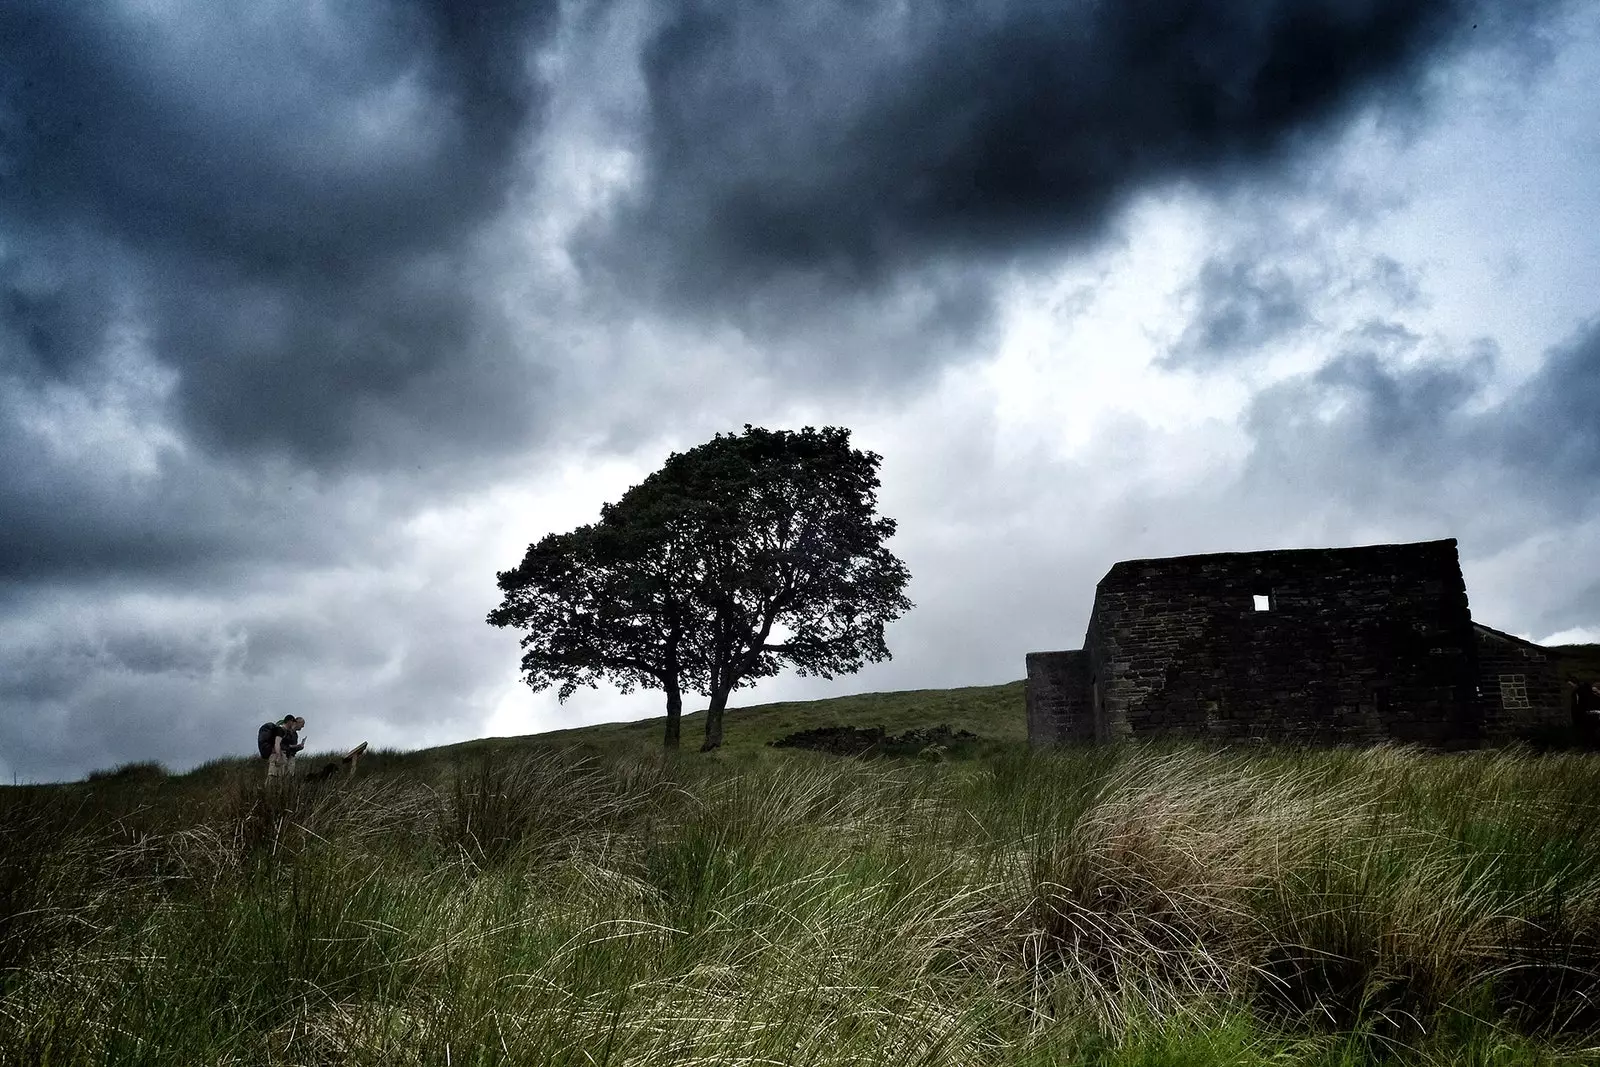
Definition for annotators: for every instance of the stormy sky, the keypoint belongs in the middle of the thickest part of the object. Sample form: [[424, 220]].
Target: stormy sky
[[313, 314]]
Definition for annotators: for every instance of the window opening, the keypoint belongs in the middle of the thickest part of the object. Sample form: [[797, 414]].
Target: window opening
[[1263, 601]]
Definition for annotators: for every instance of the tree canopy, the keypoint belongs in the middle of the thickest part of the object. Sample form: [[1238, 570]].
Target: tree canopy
[[742, 556]]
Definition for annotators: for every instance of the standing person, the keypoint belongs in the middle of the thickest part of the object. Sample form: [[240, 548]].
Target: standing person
[[291, 742], [278, 743]]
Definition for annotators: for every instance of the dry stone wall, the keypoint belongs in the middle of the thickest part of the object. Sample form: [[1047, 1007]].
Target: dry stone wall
[[1348, 644], [1519, 688], [1306, 645], [1058, 693]]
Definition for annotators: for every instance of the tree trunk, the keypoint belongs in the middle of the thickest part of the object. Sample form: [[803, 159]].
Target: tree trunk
[[719, 700], [674, 716]]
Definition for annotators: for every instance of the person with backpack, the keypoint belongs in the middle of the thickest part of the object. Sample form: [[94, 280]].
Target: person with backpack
[[278, 743]]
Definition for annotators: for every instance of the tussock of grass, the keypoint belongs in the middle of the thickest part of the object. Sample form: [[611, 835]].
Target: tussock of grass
[[1131, 906], [146, 770]]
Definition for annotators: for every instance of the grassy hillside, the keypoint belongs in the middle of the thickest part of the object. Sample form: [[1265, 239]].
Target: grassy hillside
[[578, 899], [993, 712]]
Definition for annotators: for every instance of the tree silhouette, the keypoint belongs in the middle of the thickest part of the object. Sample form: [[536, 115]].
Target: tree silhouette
[[739, 557]]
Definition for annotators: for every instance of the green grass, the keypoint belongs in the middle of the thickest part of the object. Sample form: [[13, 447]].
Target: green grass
[[580, 899], [993, 712]]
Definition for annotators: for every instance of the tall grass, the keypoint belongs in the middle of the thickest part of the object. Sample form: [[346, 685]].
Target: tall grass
[[1131, 906]]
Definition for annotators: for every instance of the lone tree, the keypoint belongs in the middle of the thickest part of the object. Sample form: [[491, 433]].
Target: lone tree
[[605, 602], [744, 555]]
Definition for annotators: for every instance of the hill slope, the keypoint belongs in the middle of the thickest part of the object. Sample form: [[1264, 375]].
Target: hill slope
[[1120, 906], [993, 712]]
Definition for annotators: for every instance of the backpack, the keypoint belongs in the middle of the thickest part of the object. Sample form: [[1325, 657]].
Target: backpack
[[269, 732]]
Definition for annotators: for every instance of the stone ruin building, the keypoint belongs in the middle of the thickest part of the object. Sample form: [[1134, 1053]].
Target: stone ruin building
[[1312, 646]]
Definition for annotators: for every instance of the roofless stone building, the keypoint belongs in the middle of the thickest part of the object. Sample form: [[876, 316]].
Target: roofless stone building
[[1314, 646]]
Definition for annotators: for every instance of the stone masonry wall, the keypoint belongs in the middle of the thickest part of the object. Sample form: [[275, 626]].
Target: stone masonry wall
[[1519, 688], [1359, 644], [1059, 708]]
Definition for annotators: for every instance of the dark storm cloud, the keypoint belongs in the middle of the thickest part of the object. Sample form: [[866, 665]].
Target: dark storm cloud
[[280, 199], [846, 141], [249, 313], [251, 232]]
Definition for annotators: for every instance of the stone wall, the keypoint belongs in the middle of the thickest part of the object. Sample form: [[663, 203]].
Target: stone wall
[[1519, 689], [1356, 644], [1059, 704]]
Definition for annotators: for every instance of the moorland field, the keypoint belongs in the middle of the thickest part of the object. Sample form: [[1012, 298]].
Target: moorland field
[[577, 898]]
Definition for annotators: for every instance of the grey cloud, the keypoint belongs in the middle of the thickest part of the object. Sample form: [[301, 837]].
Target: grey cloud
[[256, 235], [1394, 280], [79, 511], [1371, 430], [1580, 607], [281, 201], [94, 678], [1552, 428], [1273, 283], [1245, 306], [1405, 412], [1384, 337], [271, 136], [892, 339], [847, 142], [253, 311], [57, 306]]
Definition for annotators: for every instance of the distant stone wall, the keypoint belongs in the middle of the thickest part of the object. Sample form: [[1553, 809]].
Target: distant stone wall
[[1355, 644], [1058, 697], [1519, 689]]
